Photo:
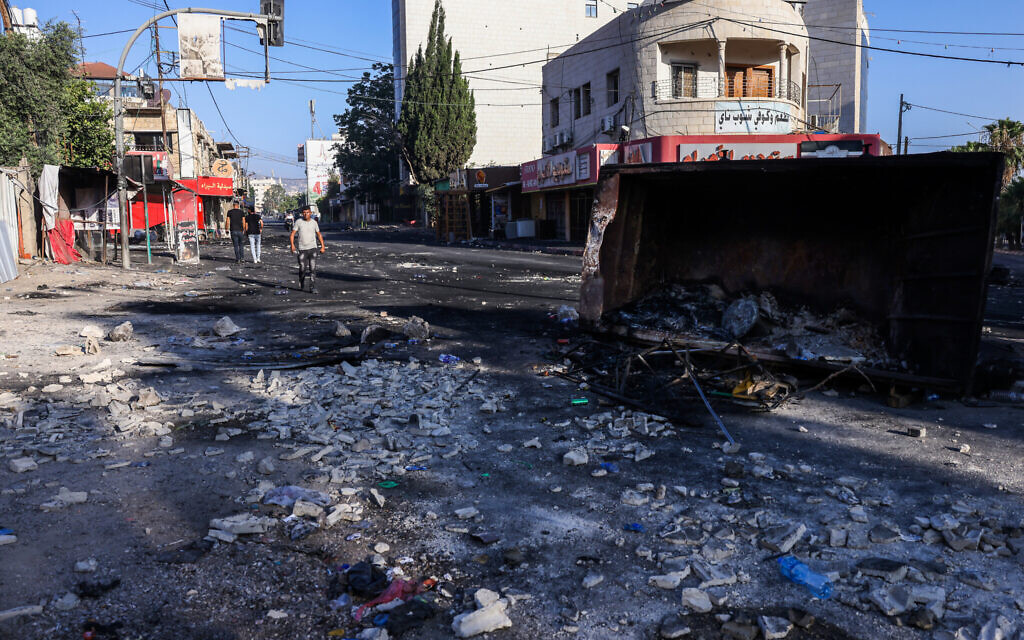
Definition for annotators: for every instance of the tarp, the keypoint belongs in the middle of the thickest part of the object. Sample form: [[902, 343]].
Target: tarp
[[48, 183], [62, 241]]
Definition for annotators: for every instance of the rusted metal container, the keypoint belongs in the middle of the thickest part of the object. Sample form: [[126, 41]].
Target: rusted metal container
[[906, 242]]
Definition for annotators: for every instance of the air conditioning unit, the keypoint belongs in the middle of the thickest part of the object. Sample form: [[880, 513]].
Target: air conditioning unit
[[564, 138], [607, 124], [550, 142]]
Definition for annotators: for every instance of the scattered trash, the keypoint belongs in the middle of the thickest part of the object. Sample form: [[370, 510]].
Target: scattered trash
[[416, 328], [576, 402], [634, 526], [799, 573], [449, 359], [567, 314], [610, 467], [413, 467], [387, 484], [366, 581], [287, 495]]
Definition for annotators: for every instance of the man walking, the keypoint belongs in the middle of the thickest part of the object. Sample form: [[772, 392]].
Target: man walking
[[308, 232], [254, 229], [236, 225]]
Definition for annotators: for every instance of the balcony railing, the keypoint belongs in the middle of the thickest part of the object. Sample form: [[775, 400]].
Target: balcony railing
[[707, 87]]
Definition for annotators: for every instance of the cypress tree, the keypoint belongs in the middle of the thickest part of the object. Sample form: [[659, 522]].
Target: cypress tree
[[438, 116]]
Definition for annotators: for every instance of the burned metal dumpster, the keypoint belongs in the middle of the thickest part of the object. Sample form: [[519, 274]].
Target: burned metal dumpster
[[900, 245]]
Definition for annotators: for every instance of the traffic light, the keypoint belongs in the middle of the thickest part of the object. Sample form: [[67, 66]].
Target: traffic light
[[275, 29]]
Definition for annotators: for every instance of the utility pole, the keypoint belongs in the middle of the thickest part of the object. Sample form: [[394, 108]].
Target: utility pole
[[160, 77], [906, 146], [904, 107], [312, 118]]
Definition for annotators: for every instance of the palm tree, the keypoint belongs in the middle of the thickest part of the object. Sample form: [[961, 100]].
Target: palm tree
[[1007, 136]]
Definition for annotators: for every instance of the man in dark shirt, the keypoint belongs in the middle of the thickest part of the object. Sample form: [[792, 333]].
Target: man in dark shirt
[[254, 229], [236, 225]]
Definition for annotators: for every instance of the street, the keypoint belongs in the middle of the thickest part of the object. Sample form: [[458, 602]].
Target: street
[[489, 501]]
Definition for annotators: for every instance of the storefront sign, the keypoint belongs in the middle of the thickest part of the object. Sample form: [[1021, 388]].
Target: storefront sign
[[211, 186], [583, 167], [223, 169], [637, 153], [753, 117], [740, 151], [557, 171], [609, 156], [528, 174]]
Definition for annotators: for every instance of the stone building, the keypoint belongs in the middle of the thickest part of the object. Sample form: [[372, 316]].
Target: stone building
[[503, 46], [838, 71], [680, 68]]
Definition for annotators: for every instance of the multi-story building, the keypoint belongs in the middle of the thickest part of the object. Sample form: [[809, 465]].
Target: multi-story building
[[837, 73], [190, 156], [503, 46], [680, 68], [260, 186]]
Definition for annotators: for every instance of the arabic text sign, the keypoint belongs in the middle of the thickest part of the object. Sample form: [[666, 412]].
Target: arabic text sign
[[319, 166], [557, 170], [753, 117], [740, 151]]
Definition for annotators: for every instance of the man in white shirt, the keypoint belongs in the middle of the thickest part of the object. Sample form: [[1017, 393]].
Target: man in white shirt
[[308, 233]]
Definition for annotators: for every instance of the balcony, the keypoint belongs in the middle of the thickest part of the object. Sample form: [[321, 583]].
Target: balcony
[[708, 88]]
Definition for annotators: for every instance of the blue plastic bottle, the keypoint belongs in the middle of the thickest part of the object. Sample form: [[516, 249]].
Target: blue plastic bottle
[[448, 359], [799, 573]]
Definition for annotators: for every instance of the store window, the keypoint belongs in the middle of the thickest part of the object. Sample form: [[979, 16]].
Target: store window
[[591, 8], [554, 108], [612, 85]]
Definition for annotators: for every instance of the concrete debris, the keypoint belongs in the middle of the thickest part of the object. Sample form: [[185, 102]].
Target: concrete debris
[[22, 465], [673, 627], [225, 327], [696, 600], [373, 334], [782, 538], [86, 566], [91, 331], [591, 580], [417, 328], [242, 524], [66, 602], [774, 628], [575, 458], [341, 331], [65, 498], [888, 570], [121, 333], [16, 612], [484, 620]]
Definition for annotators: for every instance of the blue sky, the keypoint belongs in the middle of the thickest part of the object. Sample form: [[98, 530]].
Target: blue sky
[[275, 120]]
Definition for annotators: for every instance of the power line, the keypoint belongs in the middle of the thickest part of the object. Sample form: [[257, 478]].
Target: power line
[[952, 113], [950, 135], [108, 33], [874, 48]]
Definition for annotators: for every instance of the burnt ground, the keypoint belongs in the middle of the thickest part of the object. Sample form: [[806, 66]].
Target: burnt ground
[[144, 523]]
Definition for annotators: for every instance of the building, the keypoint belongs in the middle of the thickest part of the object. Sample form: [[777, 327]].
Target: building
[[679, 68], [838, 69], [260, 186], [503, 46], [189, 158]]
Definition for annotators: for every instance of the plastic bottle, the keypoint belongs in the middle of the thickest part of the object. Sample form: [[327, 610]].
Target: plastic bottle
[[799, 573], [448, 359]]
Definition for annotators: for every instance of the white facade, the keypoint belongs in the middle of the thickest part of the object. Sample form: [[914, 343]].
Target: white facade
[[838, 73], [680, 68], [503, 46], [260, 186]]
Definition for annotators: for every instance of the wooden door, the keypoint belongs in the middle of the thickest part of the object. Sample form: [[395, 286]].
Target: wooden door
[[734, 81], [762, 83]]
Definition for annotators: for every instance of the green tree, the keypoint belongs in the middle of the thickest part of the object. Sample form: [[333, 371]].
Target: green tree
[[368, 156], [438, 117], [1011, 211], [46, 114], [273, 198], [89, 140], [1007, 137]]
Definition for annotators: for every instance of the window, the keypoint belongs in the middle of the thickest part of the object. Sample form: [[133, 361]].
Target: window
[[591, 8], [576, 109], [684, 81], [585, 94], [554, 112], [612, 85]]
